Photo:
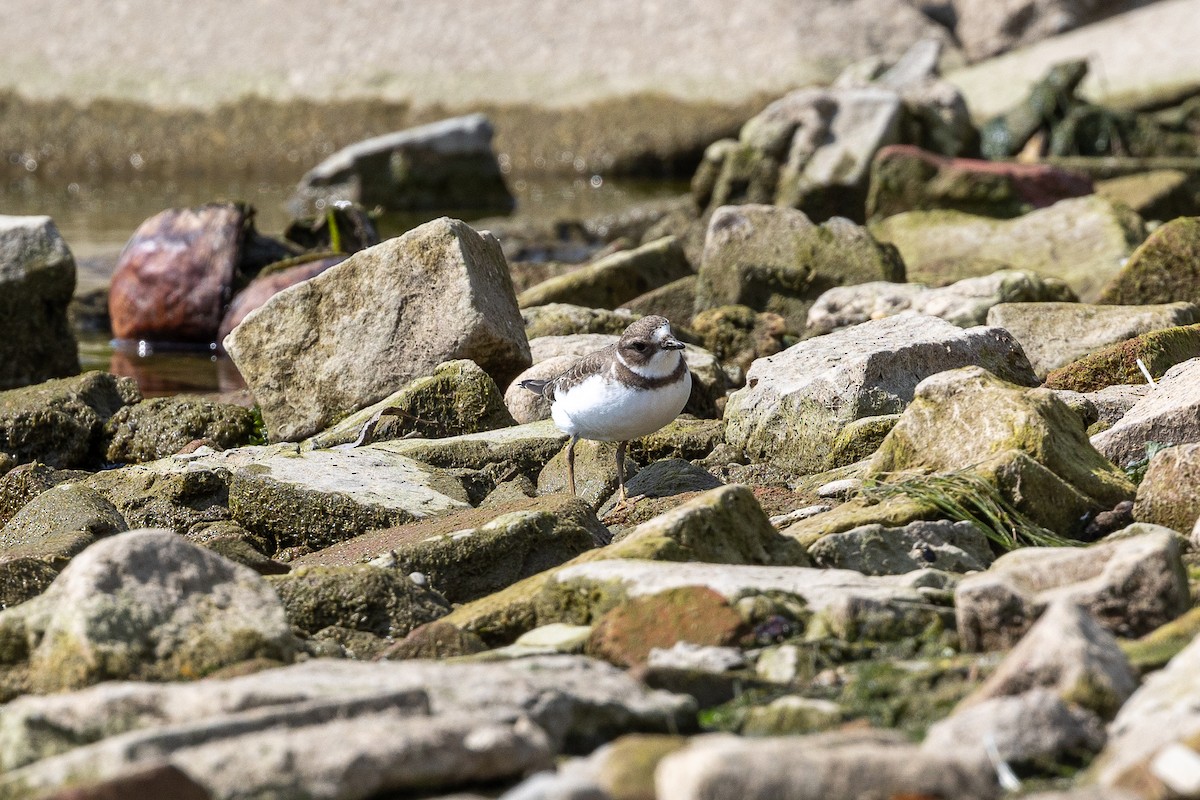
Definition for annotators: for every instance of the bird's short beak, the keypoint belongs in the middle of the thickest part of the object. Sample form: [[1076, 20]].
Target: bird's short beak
[[671, 343]]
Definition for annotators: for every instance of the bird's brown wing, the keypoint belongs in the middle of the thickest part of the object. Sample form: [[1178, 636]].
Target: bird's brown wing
[[588, 365]]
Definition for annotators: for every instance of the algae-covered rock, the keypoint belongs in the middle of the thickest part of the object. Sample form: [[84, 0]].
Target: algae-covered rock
[[1131, 586], [876, 550], [1169, 494], [161, 426], [796, 403], [738, 334], [1117, 364], [464, 560], [361, 597], [859, 439], [61, 422], [1083, 241], [165, 494], [22, 578], [37, 279], [614, 279], [1168, 415], [1026, 441], [59, 523], [777, 260], [522, 449], [1056, 334], [564, 319], [457, 398], [363, 329], [21, 484], [1164, 269], [148, 604]]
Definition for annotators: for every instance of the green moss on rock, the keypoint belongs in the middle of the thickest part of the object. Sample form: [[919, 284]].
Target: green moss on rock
[[1117, 364], [161, 426], [1164, 269]]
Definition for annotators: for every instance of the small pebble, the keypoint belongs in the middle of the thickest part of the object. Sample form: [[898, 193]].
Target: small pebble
[[843, 488], [783, 520], [418, 578]]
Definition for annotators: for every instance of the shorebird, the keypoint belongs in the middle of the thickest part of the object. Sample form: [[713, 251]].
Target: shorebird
[[621, 392]]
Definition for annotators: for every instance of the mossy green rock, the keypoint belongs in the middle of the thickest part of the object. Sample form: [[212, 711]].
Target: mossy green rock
[[464, 560], [1168, 494], [1082, 240], [457, 398], [614, 279], [23, 483], [59, 523], [724, 526], [565, 319], [1164, 269], [21, 579], [361, 597], [1027, 440], [165, 494], [1117, 364], [146, 604], [859, 439], [161, 426], [776, 259], [521, 449], [61, 422]]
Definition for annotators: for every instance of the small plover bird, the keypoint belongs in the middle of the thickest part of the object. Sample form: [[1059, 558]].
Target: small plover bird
[[621, 392]]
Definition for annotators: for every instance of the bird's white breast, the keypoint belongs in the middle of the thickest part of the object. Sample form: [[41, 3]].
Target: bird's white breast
[[603, 409]]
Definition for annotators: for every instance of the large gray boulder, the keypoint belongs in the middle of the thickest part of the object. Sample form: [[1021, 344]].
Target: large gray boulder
[[1083, 241], [446, 165], [988, 28], [37, 279], [144, 604], [795, 403], [1055, 334], [360, 331], [776, 259], [1169, 414]]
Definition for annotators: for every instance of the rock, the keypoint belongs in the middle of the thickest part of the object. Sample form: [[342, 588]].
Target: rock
[[1163, 269], [145, 604], [684, 655], [614, 279], [458, 398], [876, 550], [906, 178], [1082, 241], [435, 639], [1068, 652], [670, 477], [166, 494], [1150, 723], [842, 603], [176, 274], [232, 541], [1026, 442], [989, 29], [22, 484], [519, 450], [1159, 194], [1168, 493], [443, 166], [564, 319], [738, 335], [627, 634], [468, 555], [61, 422], [37, 279], [23, 578], [832, 766], [1130, 586], [359, 331], [1117, 364], [1113, 402], [410, 725], [58, 524], [1026, 731], [626, 768], [1055, 334], [161, 426], [162, 780], [677, 299], [1167, 415], [964, 303], [555, 637], [361, 597], [266, 286], [526, 406], [795, 403], [791, 715], [776, 260], [595, 473]]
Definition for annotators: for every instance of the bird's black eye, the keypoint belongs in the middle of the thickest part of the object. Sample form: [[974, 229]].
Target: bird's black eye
[[639, 346]]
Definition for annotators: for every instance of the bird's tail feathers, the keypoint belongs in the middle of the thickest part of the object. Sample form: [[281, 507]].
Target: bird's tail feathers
[[534, 385]]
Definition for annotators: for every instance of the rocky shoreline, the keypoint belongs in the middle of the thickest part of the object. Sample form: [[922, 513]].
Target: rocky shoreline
[[926, 527]]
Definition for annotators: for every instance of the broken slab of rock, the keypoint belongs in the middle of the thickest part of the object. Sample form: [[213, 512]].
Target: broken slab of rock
[[614, 279], [965, 303], [144, 604], [816, 767], [567, 704], [37, 279], [1130, 586], [795, 403], [876, 550], [1168, 415], [1055, 334], [363, 329], [1117, 364]]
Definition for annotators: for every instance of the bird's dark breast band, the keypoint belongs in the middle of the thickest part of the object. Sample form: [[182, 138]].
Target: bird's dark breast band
[[637, 381]]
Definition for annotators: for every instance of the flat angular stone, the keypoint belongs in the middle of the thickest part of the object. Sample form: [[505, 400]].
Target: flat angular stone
[[388, 314], [1169, 414], [614, 279], [1169, 494]]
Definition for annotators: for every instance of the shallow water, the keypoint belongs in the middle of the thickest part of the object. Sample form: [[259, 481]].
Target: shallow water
[[97, 219]]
